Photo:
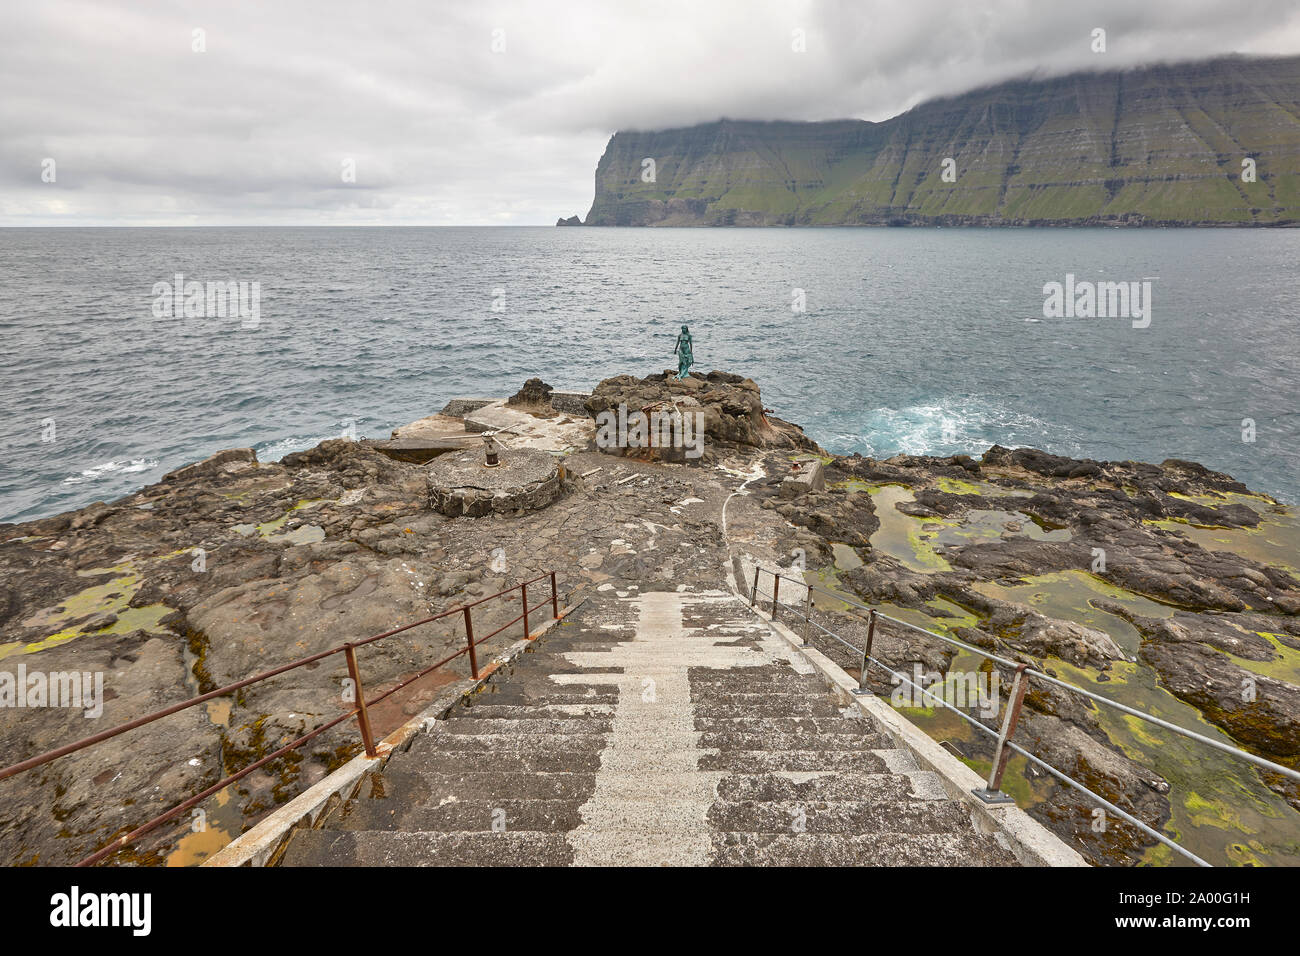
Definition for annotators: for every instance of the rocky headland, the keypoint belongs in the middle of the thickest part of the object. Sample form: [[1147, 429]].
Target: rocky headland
[[1169, 587], [1206, 143]]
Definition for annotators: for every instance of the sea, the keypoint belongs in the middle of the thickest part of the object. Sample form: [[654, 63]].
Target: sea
[[119, 363]]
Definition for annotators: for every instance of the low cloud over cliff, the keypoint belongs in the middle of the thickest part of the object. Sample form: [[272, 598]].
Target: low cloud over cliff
[[330, 112]]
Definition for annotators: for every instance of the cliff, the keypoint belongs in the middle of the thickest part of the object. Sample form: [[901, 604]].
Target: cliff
[[1161, 145]]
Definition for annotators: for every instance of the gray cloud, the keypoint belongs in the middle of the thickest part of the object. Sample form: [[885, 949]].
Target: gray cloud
[[444, 130]]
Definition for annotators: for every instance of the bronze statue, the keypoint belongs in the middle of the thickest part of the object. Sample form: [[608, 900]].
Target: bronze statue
[[685, 357]]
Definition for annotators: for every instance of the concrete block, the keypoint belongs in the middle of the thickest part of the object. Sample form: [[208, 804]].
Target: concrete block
[[806, 474]]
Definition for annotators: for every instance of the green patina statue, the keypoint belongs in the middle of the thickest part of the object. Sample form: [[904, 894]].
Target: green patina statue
[[685, 357]]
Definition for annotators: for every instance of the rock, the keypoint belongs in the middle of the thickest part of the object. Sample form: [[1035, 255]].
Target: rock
[[534, 394], [99, 622], [1262, 713], [571, 221], [1127, 784], [454, 583], [90, 516], [732, 407], [221, 461], [1080, 645]]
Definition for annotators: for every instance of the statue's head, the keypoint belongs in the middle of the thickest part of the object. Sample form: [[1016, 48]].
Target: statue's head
[[686, 330]]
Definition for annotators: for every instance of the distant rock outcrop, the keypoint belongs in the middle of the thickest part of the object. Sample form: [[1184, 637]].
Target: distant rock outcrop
[[571, 221]]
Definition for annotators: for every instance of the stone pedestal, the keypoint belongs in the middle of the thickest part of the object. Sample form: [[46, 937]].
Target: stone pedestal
[[461, 484]]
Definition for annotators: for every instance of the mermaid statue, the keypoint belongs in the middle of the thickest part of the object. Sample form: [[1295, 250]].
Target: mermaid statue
[[685, 357]]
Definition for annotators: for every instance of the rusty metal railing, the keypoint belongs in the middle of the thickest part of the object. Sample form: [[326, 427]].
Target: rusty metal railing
[[1004, 746], [360, 711]]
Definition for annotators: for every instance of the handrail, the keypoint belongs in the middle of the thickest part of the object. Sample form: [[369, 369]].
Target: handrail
[[359, 711], [999, 765], [1160, 722], [992, 792]]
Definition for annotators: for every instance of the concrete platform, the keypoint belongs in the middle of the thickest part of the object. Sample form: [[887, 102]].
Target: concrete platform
[[438, 428], [523, 429], [415, 450]]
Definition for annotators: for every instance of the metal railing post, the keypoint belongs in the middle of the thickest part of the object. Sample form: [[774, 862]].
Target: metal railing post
[[992, 793], [866, 652], [807, 615], [776, 589], [555, 599], [523, 595], [753, 594], [363, 718], [469, 636]]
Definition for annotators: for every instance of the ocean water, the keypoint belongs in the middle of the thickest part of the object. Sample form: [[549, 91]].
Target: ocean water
[[917, 340]]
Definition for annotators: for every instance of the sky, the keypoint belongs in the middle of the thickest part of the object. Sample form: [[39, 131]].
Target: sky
[[339, 112]]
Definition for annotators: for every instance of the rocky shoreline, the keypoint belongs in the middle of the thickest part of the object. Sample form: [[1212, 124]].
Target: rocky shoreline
[[1099, 572]]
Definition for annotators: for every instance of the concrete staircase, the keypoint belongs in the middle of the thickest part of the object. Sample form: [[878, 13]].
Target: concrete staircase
[[665, 728]]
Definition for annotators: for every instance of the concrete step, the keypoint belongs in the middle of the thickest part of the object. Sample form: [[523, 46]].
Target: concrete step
[[786, 725], [549, 761], [795, 685], [514, 743], [660, 815], [843, 817], [738, 679], [760, 761], [843, 850], [561, 760], [763, 705], [794, 786], [470, 726], [396, 848], [415, 786], [562, 711], [532, 848], [663, 706], [547, 682], [537, 693], [590, 645], [536, 667], [548, 816], [780, 740], [747, 693], [611, 630]]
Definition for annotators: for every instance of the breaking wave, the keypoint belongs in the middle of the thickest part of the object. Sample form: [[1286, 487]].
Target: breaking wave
[[950, 428], [277, 449], [110, 468]]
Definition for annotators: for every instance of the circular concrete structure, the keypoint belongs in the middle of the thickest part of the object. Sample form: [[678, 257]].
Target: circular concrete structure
[[525, 479]]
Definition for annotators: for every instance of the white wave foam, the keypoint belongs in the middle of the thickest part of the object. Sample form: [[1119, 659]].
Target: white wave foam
[[109, 468], [275, 450], [950, 428]]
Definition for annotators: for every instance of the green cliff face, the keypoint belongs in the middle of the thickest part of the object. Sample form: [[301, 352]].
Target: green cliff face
[[1159, 145]]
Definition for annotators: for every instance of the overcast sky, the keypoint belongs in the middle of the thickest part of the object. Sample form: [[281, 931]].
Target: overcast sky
[[442, 129]]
